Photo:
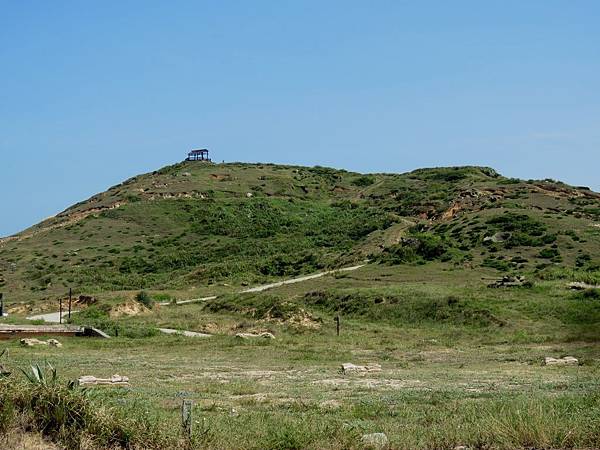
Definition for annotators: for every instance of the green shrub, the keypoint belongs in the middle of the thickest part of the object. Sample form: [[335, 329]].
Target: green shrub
[[405, 308], [498, 264], [145, 299], [549, 253], [363, 181], [592, 293], [419, 246], [512, 222]]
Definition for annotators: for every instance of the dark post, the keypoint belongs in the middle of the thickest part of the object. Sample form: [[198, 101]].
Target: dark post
[[186, 418], [70, 295], [337, 325], [1, 305], [60, 311]]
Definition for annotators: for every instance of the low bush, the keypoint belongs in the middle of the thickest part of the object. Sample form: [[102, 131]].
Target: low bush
[[405, 308], [75, 419], [419, 246], [363, 181], [145, 299], [549, 253]]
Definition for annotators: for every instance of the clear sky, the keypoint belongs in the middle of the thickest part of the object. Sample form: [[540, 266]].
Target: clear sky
[[93, 92]]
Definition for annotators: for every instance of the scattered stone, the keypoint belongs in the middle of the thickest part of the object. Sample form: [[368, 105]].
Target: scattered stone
[[501, 236], [186, 174], [353, 368], [375, 440], [579, 286], [53, 343], [183, 332], [509, 281], [115, 380], [31, 342], [264, 335], [248, 194], [566, 361]]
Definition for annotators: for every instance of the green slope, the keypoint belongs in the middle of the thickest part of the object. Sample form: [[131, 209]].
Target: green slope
[[195, 224]]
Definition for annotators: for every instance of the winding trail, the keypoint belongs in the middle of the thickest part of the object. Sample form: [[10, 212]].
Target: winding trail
[[55, 316], [264, 287]]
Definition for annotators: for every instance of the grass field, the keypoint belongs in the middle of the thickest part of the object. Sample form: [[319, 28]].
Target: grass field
[[468, 373]]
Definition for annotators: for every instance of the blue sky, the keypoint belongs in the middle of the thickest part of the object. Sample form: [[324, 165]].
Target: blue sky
[[94, 92]]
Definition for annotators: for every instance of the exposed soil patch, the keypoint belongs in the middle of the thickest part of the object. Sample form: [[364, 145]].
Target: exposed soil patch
[[130, 308]]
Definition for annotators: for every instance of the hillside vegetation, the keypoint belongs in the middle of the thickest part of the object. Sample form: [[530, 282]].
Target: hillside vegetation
[[195, 224], [461, 362]]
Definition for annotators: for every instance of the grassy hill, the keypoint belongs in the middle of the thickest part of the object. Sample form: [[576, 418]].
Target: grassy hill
[[194, 224], [461, 362]]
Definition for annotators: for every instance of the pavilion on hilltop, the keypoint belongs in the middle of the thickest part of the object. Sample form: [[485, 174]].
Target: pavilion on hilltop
[[198, 155]]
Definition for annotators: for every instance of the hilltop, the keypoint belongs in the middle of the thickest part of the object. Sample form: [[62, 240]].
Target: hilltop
[[195, 224]]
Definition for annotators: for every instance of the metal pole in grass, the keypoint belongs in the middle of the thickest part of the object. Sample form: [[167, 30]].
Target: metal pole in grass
[[186, 418], [1, 305], [70, 295], [337, 325]]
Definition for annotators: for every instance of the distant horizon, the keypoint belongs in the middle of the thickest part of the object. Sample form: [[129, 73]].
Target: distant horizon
[[294, 165]]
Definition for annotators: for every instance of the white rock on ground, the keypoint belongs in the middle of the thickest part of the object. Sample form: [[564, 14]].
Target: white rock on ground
[[116, 380], [31, 342], [374, 440], [54, 343], [183, 332], [566, 361], [264, 335], [579, 286], [353, 368]]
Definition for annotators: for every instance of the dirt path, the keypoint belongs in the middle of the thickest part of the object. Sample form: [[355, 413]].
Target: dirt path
[[183, 333], [50, 317], [192, 300], [264, 287], [55, 316]]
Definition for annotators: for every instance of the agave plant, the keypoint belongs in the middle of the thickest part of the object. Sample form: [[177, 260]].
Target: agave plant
[[40, 375], [4, 372]]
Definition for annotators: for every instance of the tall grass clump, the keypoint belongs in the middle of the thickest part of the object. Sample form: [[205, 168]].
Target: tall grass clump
[[74, 417]]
